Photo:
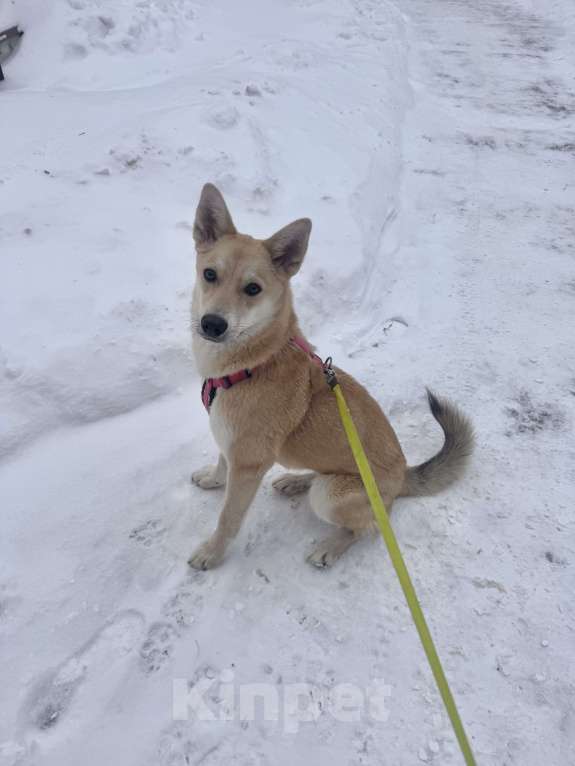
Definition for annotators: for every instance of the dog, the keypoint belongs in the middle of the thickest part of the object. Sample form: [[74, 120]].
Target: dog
[[268, 400]]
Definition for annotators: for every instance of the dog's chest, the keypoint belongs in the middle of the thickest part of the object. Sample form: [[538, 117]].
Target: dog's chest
[[220, 426]]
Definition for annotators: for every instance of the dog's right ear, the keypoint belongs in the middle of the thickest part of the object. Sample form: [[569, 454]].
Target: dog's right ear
[[213, 219]]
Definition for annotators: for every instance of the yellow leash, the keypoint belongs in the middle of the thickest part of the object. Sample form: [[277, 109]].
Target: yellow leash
[[399, 564]]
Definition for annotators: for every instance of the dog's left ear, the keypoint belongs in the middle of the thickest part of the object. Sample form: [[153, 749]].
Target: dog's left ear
[[288, 246], [213, 219]]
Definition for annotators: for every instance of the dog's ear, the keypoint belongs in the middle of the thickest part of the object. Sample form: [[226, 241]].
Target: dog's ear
[[213, 219], [288, 246]]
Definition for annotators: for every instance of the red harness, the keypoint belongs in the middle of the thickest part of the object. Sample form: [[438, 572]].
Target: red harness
[[210, 385]]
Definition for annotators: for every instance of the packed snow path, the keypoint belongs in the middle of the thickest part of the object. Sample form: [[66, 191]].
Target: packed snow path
[[432, 143]]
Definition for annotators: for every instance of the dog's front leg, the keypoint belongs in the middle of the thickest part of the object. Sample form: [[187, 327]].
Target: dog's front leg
[[242, 485], [211, 476]]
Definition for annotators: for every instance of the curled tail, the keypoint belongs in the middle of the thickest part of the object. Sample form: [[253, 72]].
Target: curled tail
[[447, 466]]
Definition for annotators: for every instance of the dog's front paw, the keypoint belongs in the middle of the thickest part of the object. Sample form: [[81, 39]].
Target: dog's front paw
[[207, 556], [207, 477]]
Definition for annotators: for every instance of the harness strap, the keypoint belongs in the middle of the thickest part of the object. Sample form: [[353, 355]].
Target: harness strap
[[210, 385], [302, 344]]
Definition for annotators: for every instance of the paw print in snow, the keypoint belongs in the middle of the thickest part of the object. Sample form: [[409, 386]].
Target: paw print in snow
[[158, 647]]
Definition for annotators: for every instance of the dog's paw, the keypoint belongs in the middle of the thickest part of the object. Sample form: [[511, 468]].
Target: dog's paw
[[322, 557], [207, 478], [293, 483], [207, 556], [326, 553]]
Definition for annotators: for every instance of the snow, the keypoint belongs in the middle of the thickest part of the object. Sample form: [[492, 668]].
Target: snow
[[432, 144]]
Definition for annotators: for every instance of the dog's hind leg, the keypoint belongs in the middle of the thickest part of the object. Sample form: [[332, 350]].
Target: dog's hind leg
[[341, 500], [293, 483]]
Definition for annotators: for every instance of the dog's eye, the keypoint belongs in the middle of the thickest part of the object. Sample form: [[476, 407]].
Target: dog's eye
[[210, 275], [252, 289]]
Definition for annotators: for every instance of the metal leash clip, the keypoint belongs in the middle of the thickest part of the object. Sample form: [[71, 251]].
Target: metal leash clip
[[329, 372]]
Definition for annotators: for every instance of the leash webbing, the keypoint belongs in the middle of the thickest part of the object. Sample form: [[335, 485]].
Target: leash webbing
[[390, 539]]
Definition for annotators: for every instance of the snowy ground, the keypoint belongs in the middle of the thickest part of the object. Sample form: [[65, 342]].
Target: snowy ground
[[432, 142]]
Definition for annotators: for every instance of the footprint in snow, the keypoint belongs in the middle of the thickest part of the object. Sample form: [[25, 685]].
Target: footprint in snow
[[182, 744], [186, 603], [223, 118], [157, 647], [529, 417], [92, 671], [9, 603], [148, 533], [181, 611]]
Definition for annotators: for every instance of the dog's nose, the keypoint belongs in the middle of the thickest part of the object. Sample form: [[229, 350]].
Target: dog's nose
[[213, 326]]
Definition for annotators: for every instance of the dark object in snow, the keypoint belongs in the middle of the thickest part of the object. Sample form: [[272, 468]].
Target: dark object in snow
[[9, 40]]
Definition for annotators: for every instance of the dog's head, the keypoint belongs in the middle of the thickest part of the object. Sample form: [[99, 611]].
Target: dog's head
[[241, 282]]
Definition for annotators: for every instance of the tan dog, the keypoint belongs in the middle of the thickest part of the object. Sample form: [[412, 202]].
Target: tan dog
[[279, 408]]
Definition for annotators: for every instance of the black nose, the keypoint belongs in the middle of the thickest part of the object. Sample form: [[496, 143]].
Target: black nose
[[213, 325]]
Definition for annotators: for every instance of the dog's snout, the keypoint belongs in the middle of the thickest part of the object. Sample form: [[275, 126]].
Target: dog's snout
[[213, 326]]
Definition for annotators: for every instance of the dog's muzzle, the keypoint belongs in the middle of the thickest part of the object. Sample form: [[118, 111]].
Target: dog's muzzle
[[214, 327]]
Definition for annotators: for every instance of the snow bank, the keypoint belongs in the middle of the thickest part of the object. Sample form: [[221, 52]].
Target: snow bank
[[118, 113]]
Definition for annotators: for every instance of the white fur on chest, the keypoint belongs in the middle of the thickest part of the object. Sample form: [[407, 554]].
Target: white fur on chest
[[221, 428]]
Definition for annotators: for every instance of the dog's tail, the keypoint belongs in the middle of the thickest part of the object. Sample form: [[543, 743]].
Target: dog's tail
[[447, 466]]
